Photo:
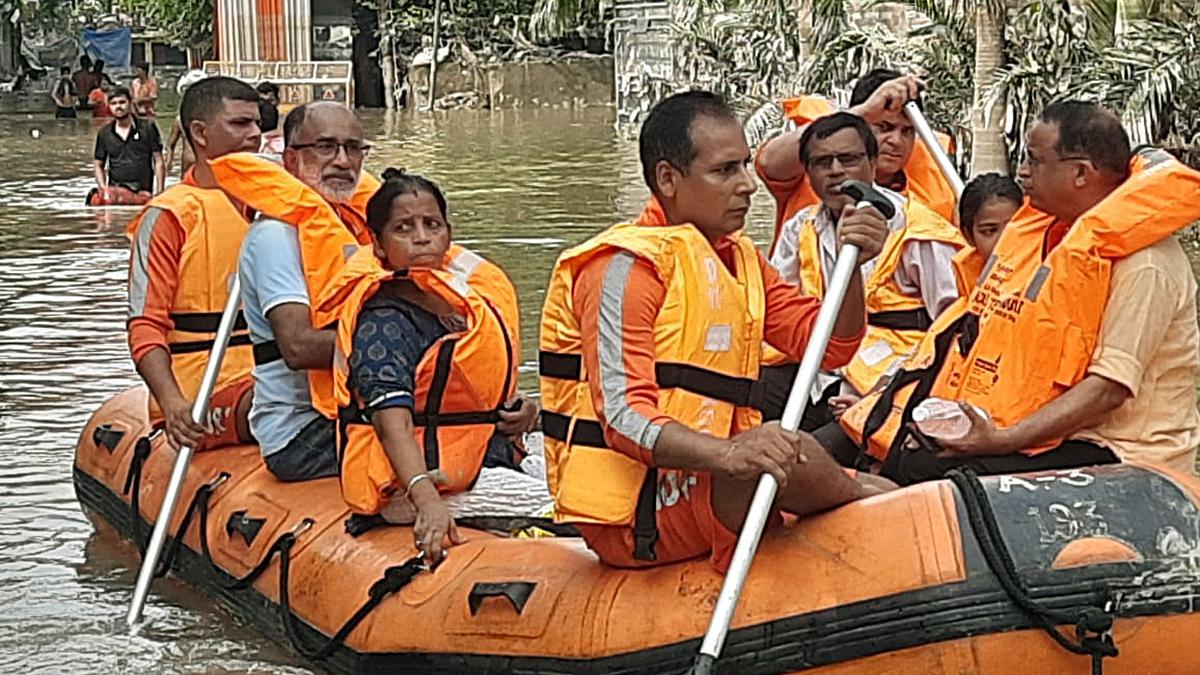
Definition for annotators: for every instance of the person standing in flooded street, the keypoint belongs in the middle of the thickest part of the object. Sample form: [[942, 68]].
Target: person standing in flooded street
[[128, 150]]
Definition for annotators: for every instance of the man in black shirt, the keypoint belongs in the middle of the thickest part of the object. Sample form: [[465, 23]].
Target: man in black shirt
[[130, 147]]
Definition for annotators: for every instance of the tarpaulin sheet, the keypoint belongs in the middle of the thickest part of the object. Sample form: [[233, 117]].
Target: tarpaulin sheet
[[112, 46]]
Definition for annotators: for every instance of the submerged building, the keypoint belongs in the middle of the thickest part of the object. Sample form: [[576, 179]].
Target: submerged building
[[309, 47]]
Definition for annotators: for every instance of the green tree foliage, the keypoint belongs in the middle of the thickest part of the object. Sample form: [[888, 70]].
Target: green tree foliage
[[188, 24], [1140, 58]]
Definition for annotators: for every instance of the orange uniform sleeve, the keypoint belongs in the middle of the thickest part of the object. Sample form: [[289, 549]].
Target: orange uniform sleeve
[[789, 321], [781, 190], [153, 281], [617, 297]]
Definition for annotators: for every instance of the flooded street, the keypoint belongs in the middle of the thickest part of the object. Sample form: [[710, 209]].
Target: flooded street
[[522, 186]]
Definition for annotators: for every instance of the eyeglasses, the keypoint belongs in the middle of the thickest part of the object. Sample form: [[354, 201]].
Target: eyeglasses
[[355, 150], [848, 160], [1034, 162]]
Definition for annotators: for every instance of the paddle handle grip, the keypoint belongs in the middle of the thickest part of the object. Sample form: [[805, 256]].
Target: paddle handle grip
[[935, 149], [764, 495], [208, 384]]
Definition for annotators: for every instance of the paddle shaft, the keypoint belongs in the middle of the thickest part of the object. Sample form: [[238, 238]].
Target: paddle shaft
[[764, 494], [931, 142], [200, 414]]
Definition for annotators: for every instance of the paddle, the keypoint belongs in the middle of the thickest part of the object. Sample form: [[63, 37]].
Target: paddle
[[931, 142], [764, 494], [184, 458]]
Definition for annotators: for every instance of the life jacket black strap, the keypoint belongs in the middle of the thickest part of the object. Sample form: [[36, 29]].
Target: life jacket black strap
[[703, 382], [924, 379], [739, 391], [560, 366], [266, 352], [204, 322], [645, 519], [433, 402], [587, 432], [194, 346], [901, 319]]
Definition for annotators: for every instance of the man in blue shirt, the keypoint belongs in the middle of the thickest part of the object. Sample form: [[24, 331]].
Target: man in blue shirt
[[297, 442]]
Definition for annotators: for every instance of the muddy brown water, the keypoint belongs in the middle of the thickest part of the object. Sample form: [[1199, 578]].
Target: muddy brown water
[[522, 186]]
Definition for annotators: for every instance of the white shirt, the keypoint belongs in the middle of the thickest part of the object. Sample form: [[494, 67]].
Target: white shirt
[[925, 266]]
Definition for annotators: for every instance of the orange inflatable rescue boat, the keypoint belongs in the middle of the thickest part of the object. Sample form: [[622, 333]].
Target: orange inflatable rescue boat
[[1056, 572]]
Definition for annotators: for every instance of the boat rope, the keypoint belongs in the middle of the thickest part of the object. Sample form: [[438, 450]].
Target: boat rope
[[133, 489], [394, 578], [199, 503], [1093, 625]]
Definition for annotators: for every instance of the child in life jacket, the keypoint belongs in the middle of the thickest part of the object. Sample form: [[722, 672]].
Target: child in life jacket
[[419, 324], [987, 203]]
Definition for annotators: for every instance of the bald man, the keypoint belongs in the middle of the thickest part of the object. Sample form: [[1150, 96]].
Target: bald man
[[324, 148]]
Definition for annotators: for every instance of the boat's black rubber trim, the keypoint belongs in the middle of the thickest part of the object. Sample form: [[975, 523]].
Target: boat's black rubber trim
[[976, 606], [1093, 625]]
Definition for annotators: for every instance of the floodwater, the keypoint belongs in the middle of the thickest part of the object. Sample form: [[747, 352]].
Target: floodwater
[[522, 186]]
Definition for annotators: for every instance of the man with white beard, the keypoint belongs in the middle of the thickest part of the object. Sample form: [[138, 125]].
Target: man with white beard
[[324, 149]]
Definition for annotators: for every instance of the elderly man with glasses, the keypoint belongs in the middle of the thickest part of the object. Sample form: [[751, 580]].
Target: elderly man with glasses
[[324, 151]]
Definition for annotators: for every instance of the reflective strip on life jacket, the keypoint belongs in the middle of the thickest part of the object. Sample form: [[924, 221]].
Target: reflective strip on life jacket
[[213, 229], [461, 383], [896, 320], [1039, 307], [701, 387]]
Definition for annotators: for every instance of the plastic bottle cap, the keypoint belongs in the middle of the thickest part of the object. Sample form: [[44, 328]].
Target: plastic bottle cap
[[920, 414]]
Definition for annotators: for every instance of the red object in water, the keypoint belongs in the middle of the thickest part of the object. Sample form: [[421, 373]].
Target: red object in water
[[115, 195]]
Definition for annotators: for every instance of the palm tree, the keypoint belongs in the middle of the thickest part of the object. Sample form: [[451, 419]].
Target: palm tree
[[988, 149], [555, 18]]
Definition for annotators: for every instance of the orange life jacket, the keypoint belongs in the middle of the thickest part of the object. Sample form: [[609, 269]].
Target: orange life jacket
[[707, 333], [896, 321], [329, 235], [1028, 331], [925, 180], [461, 383], [214, 229], [968, 265]]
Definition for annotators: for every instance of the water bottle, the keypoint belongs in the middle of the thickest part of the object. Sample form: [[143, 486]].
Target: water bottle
[[942, 419]]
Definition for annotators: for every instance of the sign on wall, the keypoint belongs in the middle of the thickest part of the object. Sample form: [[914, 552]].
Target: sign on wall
[[299, 82]]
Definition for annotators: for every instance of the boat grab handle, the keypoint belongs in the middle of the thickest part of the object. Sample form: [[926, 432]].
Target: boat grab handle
[[517, 592], [105, 436], [244, 525]]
